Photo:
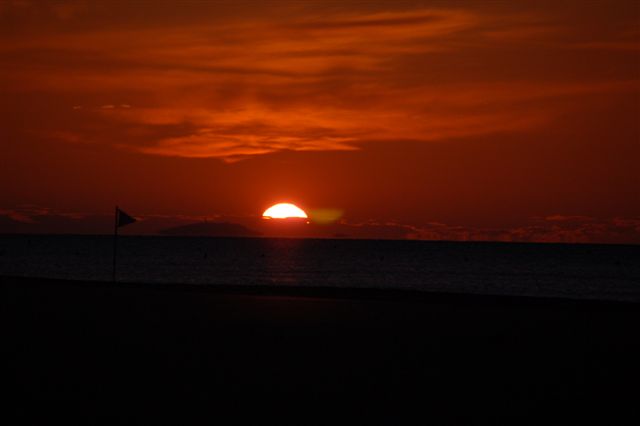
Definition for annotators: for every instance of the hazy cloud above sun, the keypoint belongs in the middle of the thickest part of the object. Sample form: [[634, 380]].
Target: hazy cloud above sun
[[213, 80]]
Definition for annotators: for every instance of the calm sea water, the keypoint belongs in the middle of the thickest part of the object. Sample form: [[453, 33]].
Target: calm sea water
[[575, 271]]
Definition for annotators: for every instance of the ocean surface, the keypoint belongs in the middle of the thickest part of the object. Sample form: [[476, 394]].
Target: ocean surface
[[608, 272]]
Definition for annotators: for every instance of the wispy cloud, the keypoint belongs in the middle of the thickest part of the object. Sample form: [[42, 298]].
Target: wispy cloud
[[609, 45], [553, 229], [300, 81]]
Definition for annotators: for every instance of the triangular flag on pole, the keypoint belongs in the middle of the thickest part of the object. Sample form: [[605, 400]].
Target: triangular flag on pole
[[123, 218]]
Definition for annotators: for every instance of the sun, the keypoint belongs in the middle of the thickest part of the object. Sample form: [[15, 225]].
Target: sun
[[284, 211]]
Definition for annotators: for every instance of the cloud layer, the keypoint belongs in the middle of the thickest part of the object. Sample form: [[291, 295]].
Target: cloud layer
[[301, 79], [551, 229]]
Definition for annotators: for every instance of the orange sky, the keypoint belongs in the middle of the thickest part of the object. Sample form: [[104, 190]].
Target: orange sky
[[437, 120]]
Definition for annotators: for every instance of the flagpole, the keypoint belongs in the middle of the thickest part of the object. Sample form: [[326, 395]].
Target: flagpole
[[115, 243]]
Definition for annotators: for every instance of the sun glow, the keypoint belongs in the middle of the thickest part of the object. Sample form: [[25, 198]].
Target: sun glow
[[284, 211]]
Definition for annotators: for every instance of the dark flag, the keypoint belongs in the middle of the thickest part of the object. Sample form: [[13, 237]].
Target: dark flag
[[123, 218]]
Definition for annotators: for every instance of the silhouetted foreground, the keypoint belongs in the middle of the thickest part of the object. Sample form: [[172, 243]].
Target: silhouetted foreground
[[107, 354]]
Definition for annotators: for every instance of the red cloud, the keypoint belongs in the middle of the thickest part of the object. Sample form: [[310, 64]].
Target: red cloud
[[298, 81]]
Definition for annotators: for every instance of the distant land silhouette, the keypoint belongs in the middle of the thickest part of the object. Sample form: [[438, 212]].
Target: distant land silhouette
[[211, 229]]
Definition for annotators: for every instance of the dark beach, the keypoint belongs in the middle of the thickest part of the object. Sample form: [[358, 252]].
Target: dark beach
[[103, 353]]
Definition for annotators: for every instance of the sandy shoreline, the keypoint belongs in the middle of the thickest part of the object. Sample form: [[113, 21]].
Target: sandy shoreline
[[377, 352]]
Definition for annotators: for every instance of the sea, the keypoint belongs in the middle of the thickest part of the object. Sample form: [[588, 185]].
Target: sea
[[576, 271]]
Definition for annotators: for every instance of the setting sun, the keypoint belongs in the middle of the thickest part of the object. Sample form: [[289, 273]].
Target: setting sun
[[284, 211]]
